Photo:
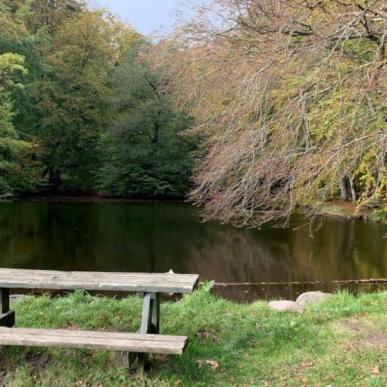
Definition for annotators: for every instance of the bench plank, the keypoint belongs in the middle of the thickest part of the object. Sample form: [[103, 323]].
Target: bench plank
[[114, 341], [98, 281]]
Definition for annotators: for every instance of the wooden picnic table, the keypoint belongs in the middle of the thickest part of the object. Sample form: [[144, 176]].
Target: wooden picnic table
[[150, 286]]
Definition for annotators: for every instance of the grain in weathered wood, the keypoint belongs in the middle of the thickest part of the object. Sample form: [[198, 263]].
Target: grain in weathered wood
[[98, 281], [125, 342], [87, 274], [25, 275], [98, 334]]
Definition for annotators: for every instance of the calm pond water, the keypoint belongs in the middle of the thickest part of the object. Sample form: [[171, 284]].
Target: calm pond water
[[117, 236]]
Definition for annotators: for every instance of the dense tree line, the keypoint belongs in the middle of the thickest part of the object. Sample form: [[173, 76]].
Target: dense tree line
[[80, 111], [288, 99]]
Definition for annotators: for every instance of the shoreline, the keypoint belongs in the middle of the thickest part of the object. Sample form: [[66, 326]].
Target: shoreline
[[349, 210], [90, 199], [338, 208]]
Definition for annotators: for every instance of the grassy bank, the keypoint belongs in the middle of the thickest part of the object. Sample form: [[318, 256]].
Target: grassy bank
[[342, 342]]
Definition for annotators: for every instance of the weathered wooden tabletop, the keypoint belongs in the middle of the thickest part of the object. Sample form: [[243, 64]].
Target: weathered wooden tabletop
[[94, 281]]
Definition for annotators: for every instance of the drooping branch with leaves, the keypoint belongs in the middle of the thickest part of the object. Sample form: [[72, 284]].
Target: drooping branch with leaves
[[290, 99]]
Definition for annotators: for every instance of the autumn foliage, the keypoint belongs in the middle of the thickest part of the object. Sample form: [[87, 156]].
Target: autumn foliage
[[290, 99]]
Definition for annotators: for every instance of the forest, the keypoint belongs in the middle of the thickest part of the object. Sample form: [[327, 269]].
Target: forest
[[250, 109], [81, 112]]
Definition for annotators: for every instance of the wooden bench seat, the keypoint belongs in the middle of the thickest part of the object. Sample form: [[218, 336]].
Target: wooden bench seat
[[121, 342]]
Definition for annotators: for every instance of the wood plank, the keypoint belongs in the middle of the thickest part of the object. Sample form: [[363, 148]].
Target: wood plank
[[99, 334], [97, 276], [98, 281], [125, 342]]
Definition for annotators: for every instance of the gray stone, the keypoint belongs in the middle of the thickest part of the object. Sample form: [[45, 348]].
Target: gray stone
[[285, 305], [15, 297], [312, 298]]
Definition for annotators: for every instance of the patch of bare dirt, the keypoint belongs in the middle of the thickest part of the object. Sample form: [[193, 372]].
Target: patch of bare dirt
[[367, 332], [37, 360]]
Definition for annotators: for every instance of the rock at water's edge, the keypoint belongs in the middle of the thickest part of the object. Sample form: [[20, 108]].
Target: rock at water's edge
[[285, 305], [312, 298], [15, 297]]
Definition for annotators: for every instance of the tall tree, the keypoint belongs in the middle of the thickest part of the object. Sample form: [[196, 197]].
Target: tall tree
[[72, 98], [145, 153], [16, 174], [290, 99]]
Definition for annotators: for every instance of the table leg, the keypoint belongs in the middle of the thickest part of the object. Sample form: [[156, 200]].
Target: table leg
[[151, 314], [150, 324], [7, 316]]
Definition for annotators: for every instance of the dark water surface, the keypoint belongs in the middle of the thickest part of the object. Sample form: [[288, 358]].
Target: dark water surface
[[108, 236]]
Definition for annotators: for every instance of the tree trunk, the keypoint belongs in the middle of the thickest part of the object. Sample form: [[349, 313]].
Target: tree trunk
[[353, 190], [156, 133], [54, 177], [344, 183]]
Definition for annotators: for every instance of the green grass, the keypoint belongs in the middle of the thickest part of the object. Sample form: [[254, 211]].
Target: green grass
[[380, 215], [342, 342]]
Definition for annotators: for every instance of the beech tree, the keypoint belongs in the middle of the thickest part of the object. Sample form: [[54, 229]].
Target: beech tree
[[290, 102]]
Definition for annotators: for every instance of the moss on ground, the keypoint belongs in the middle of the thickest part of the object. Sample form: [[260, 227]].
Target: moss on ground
[[342, 342]]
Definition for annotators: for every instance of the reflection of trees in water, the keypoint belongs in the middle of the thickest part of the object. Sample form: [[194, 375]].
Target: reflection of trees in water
[[42, 235], [20, 234], [96, 236], [68, 236], [233, 255], [108, 236], [343, 249], [338, 251]]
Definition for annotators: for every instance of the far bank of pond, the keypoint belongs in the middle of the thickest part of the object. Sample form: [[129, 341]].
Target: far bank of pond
[[157, 237], [374, 211]]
